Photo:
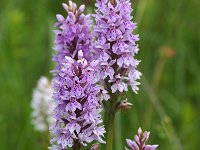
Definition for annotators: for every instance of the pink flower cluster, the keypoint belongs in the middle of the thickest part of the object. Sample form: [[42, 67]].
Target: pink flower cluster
[[115, 45]]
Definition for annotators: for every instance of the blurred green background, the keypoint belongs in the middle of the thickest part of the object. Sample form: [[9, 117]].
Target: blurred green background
[[168, 102]]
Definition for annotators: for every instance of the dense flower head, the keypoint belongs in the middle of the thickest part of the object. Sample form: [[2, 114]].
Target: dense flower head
[[115, 45], [76, 93], [73, 33], [42, 105], [77, 111], [139, 141]]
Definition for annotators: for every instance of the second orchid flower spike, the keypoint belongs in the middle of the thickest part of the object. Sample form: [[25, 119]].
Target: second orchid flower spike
[[139, 141]]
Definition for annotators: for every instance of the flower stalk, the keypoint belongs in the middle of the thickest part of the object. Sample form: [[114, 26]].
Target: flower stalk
[[110, 123], [76, 145]]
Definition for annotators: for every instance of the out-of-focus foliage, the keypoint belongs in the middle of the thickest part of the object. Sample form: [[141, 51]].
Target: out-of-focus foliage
[[168, 103]]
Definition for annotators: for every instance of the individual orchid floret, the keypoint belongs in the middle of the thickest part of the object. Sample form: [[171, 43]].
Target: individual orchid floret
[[115, 45], [105, 69], [103, 94], [77, 111], [73, 33], [119, 84], [42, 105], [139, 141]]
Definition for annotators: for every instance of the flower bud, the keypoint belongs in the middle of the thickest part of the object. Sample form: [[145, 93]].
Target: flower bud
[[81, 8], [60, 18], [65, 6], [124, 105], [95, 147]]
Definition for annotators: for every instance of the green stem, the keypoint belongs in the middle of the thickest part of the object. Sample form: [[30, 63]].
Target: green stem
[[110, 124], [76, 145], [110, 133]]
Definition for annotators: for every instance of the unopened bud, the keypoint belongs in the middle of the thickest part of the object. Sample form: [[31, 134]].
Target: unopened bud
[[74, 6], [140, 131], [60, 18], [65, 6], [80, 54], [70, 6], [95, 147], [124, 105], [81, 8], [70, 3]]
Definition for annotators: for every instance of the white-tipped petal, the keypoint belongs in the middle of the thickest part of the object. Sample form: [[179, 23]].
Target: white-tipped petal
[[81, 8], [70, 3], [65, 6]]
